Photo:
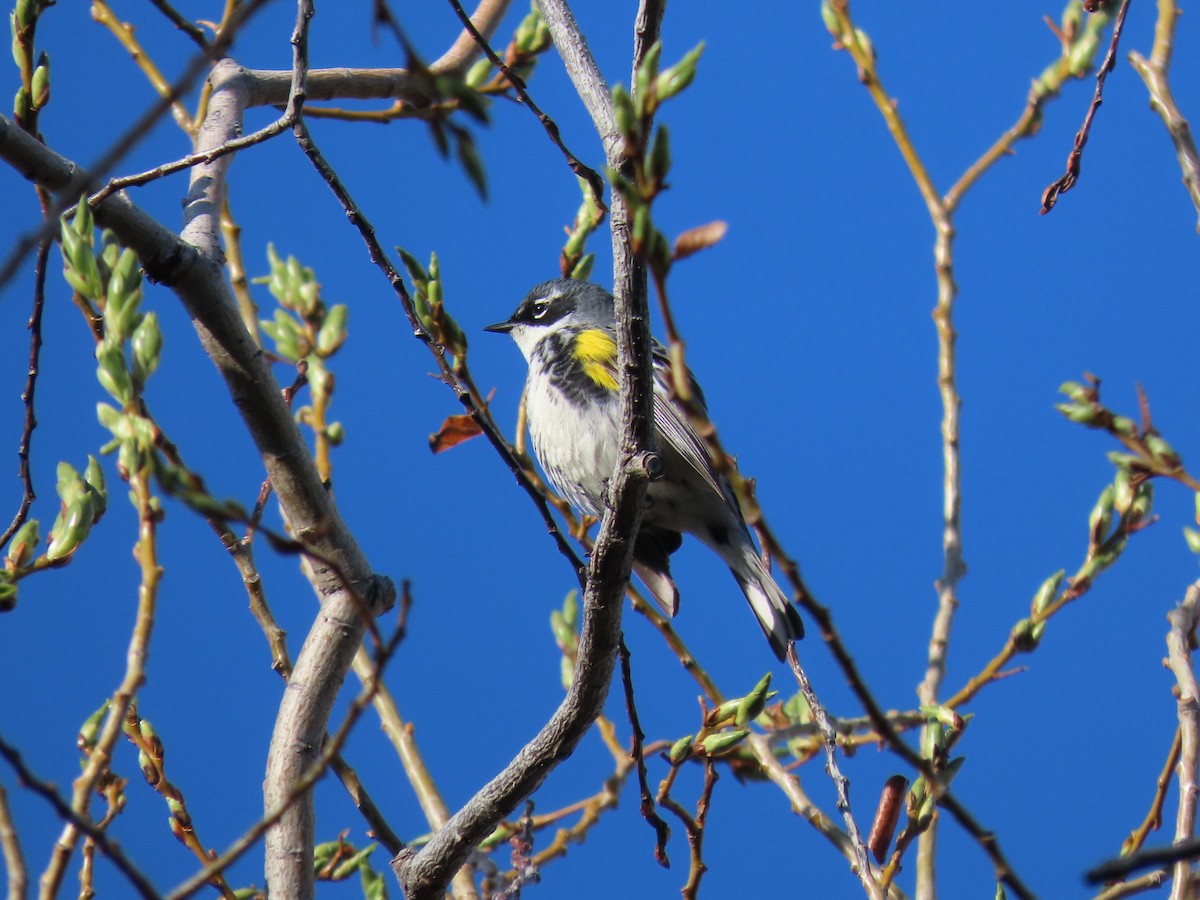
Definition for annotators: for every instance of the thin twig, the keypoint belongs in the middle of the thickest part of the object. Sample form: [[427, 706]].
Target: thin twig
[[188, 28], [1122, 866], [82, 180], [303, 785], [1068, 179], [591, 176], [1153, 819], [146, 554], [64, 811], [29, 423], [862, 863], [661, 831], [990, 844], [1153, 72], [10, 847], [1149, 882]]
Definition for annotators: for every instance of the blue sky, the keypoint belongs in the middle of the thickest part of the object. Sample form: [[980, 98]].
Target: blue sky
[[809, 327]]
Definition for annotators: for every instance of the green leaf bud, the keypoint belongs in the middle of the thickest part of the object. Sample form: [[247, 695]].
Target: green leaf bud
[[472, 163], [916, 796], [1022, 636], [69, 483], [679, 76], [659, 162], [71, 528], [624, 113], [1048, 592], [723, 713], [1082, 413], [479, 74], [1100, 519], [25, 13], [1191, 535], [22, 105], [1122, 492], [41, 82], [1123, 426], [570, 610], [723, 742], [147, 348], [933, 740], [644, 78], [416, 271], [1162, 452], [18, 42], [1125, 461], [564, 635], [583, 268], [944, 716], [1143, 501], [753, 703], [335, 433], [112, 374], [830, 18], [89, 731], [83, 221], [681, 749], [1077, 392], [23, 544], [332, 333], [94, 476], [641, 229]]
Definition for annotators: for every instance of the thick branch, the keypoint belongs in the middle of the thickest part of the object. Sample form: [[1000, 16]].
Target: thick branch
[[1180, 640]]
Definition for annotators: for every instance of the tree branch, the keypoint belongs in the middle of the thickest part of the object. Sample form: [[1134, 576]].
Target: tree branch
[[1181, 639], [423, 874]]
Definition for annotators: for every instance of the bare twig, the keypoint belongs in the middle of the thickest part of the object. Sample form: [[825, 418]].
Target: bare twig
[[1153, 72], [1155, 856], [302, 786], [862, 863], [637, 752], [990, 844], [1153, 819], [591, 176], [1149, 882], [27, 395], [188, 28], [79, 180], [141, 884], [10, 848], [146, 554], [1068, 179]]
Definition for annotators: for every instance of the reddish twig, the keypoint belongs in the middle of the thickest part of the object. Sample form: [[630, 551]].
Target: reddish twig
[[662, 831], [1068, 179]]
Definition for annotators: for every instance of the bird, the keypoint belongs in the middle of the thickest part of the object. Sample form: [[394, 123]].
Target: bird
[[566, 330]]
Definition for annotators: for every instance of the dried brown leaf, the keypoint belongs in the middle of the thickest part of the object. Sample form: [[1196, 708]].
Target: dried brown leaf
[[699, 238], [453, 432]]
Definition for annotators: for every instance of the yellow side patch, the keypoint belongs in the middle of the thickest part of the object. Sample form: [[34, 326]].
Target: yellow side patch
[[597, 353]]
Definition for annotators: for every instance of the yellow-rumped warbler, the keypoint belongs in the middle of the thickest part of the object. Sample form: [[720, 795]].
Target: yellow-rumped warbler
[[567, 333]]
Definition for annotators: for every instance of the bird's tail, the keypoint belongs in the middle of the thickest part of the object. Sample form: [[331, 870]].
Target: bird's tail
[[776, 616]]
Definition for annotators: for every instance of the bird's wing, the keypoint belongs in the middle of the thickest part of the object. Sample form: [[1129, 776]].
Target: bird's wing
[[596, 351], [674, 428]]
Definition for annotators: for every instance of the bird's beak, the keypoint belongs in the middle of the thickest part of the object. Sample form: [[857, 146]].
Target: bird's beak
[[500, 327]]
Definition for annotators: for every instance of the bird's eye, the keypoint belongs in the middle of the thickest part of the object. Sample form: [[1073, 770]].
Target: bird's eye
[[540, 308]]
